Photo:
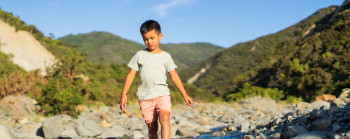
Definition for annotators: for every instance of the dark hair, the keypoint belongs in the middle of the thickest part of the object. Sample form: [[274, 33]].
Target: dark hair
[[149, 25]]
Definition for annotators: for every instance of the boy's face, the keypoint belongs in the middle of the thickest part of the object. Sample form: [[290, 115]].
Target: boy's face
[[151, 39]]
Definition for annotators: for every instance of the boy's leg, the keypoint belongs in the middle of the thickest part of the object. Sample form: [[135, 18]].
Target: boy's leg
[[152, 130], [165, 123]]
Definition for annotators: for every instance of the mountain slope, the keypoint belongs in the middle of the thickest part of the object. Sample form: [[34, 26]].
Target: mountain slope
[[104, 47], [316, 64], [222, 68]]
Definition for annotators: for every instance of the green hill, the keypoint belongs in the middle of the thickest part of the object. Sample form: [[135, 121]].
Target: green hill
[[104, 47], [303, 60]]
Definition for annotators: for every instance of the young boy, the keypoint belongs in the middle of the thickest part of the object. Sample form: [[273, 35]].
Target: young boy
[[153, 93]]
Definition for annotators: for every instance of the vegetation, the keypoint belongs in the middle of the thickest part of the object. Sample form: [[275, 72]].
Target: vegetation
[[104, 47], [72, 81]]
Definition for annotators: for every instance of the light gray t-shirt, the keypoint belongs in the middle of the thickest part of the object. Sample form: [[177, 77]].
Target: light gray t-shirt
[[152, 71]]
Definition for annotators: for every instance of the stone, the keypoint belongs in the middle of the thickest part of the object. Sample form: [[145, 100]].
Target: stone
[[325, 97], [247, 137], [292, 131], [218, 134], [301, 105], [125, 136], [54, 126], [5, 134], [309, 135], [343, 99], [18, 106], [115, 131], [319, 104], [276, 136], [244, 127], [138, 135], [322, 124], [87, 128], [187, 132], [335, 127], [29, 129], [261, 136], [69, 134], [202, 129]]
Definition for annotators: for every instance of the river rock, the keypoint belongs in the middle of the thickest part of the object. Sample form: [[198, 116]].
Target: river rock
[[218, 134], [5, 134], [87, 128], [30, 129], [115, 131], [309, 135], [247, 137], [301, 105], [322, 124], [261, 136], [18, 106], [292, 131], [54, 126], [320, 103], [343, 99], [69, 134], [202, 129], [187, 132], [276, 136]]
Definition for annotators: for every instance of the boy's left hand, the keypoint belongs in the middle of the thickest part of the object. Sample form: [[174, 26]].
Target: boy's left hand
[[188, 100]]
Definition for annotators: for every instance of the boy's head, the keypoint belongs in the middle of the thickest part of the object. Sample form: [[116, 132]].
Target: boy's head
[[151, 34], [150, 25]]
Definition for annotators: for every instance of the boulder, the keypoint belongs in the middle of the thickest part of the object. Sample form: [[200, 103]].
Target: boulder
[[247, 137], [325, 97], [5, 134], [87, 128], [218, 134], [54, 126], [31, 129], [18, 106], [186, 132], [202, 129], [301, 106], [292, 131], [115, 131], [319, 104], [261, 136], [69, 134], [343, 99]]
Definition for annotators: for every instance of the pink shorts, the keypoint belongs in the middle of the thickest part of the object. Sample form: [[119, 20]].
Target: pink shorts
[[151, 108]]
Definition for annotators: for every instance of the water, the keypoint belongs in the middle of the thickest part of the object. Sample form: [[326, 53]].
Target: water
[[229, 134]]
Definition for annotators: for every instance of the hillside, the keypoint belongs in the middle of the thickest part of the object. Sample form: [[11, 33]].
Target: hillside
[[104, 47], [220, 71], [27, 53], [307, 67]]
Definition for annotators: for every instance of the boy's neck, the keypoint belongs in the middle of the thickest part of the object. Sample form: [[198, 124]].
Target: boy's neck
[[155, 51]]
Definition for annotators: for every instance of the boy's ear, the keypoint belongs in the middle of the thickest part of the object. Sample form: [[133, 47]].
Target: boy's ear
[[160, 35]]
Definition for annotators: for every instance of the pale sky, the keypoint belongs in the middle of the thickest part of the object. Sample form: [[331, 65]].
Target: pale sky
[[220, 22]]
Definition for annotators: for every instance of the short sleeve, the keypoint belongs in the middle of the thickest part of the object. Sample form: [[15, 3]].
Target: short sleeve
[[133, 63], [170, 64]]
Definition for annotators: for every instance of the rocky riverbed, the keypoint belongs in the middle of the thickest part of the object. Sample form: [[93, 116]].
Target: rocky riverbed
[[250, 118]]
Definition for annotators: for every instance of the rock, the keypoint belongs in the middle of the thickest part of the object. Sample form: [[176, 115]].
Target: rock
[[54, 126], [292, 131], [5, 134], [320, 125], [319, 104], [244, 127], [87, 128], [69, 134], [325, 97], [218, 134], [254, 132], [309, 135], [261, 136], [18, 106], [125, 136], [187, 132], [202, 129], [138, 135], [30, 129], [247, 137], [301, 105], [115, 131], [231, 128], [343, 99], [228, 116], [276, 136], [335, 127]]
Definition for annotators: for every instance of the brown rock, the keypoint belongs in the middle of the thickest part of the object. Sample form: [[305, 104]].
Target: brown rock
[[325, 97]]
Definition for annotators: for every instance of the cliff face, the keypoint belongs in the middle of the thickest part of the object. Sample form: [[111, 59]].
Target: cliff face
[[24, 49]]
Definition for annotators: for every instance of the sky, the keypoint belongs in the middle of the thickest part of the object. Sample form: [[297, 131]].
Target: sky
[[220, 22]]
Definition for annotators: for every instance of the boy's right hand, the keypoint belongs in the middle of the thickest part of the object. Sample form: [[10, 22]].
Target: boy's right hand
[[123, 101]]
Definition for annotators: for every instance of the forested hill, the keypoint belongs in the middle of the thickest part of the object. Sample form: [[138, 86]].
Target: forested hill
[[292, 58], [104, 47]]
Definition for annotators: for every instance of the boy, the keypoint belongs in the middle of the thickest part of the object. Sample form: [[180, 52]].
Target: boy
[[153, 93]]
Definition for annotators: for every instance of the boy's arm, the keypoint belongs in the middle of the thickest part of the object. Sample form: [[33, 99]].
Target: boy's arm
[[128, 81], [178, 83]]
